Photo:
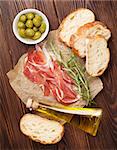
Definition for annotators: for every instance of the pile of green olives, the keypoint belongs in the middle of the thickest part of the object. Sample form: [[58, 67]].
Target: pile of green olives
[[31, 26]]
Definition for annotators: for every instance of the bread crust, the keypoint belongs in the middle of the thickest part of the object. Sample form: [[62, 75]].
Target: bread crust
[[34, 138], [82, 29], [62, 23]]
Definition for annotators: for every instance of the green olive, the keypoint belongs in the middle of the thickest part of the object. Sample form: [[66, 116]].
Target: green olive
[[36, 22], [42, 28], [29, 32], [38, 17], [22, 18], [22, 33], [37, 35], [21, 24], [30, 15], [29, 23], [35, 29]]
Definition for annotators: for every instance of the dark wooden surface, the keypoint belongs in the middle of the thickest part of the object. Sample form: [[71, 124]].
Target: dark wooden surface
[[11, 50]]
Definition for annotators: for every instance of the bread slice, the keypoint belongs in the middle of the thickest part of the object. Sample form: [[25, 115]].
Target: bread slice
[[97, 56], [73, 21], [41, 129], [94, 29], [79, 40], [79, 45]]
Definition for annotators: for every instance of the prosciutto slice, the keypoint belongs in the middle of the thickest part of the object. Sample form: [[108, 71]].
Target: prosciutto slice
[[43, 70]]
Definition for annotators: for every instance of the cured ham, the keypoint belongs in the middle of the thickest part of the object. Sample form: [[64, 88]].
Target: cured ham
[[41, 69], [25, 87]]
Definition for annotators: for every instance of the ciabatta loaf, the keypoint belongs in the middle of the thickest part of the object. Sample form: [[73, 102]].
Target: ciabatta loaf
[[41, 129], [79, 40], [97, 56], [73, 21]]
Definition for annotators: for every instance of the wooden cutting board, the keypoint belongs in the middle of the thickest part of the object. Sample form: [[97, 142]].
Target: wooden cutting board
[[10, 51]]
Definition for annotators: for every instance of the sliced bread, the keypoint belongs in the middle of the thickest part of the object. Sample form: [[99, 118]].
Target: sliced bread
[[93, 29], [79, 45], [79, 40], [97, 56], [73, 21], [41, 129]]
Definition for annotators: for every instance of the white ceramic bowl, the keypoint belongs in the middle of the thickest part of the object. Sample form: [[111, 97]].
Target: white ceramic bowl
[[26, 40]]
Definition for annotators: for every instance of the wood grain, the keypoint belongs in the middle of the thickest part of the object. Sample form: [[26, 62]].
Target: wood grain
[[10, 51]]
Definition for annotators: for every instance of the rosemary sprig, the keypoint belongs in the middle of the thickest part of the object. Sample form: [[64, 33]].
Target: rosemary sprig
[[75, 70], [83, 80]]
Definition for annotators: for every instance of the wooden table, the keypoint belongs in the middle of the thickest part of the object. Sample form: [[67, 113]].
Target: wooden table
[[10, 51]]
